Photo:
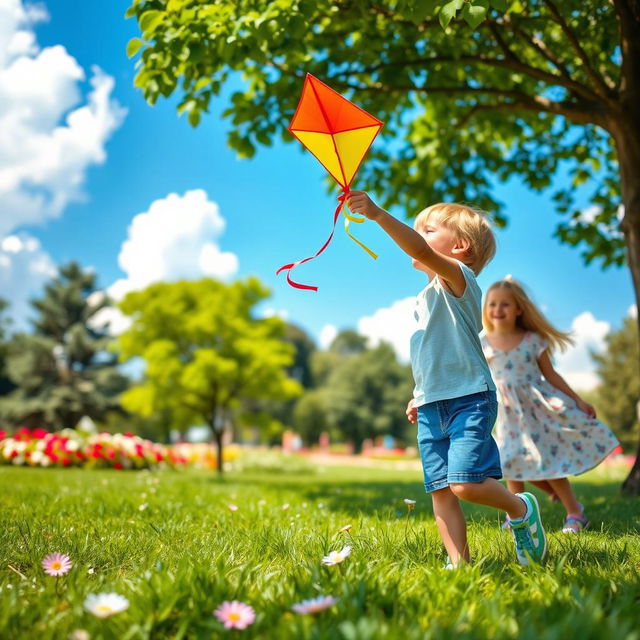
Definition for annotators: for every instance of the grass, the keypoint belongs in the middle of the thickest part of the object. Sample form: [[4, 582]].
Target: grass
[[169, 543]]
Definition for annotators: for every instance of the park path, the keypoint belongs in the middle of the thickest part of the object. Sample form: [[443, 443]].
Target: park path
[[344, 460]]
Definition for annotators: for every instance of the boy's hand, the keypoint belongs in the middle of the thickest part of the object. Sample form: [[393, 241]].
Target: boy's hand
[[360, 202], [412, 412]]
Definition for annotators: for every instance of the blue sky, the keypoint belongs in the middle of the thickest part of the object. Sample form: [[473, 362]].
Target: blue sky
[[274, 208]]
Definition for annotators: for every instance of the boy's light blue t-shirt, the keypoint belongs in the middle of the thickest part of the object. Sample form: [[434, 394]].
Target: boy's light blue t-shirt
[[446, 354]]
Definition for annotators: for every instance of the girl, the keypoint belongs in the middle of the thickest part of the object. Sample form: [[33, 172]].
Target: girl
[[544, 431]]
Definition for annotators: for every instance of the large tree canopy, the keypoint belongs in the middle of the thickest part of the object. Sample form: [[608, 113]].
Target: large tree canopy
[[204, 351], [461, 107], [472, 91]]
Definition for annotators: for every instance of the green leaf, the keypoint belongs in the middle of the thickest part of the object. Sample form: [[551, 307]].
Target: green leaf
[[447, 13], [133, 46], [194, 117], [499, 5], [418, 10], [149, 20], [474, 14]]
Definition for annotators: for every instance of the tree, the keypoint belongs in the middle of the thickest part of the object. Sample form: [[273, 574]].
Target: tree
[[64, 370], [471, 91], [204, 351], [272, 415], [310, 415], [619, 392], [5, 383], [366, 394], [304, 346]]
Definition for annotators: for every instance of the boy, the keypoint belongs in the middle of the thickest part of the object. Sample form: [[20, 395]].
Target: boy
[[455, 398]]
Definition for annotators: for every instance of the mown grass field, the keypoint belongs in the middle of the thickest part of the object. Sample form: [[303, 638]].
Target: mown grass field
[[169, 543]]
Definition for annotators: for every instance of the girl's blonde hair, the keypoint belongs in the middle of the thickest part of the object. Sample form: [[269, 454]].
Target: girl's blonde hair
[[468, 224], [530, 318]]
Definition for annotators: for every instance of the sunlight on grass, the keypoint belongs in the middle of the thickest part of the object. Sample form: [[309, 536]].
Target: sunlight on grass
[[169, 543]]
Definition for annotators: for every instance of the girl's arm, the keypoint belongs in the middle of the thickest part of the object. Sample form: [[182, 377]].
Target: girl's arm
[[410, 241], [555, 379]]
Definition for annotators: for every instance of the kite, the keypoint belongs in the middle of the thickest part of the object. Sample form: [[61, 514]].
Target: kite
[[338, 133]]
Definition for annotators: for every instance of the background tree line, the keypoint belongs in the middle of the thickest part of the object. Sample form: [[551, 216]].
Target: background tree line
[[209, 359]]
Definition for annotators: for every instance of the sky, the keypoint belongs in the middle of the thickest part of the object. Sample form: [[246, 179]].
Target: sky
[[90, 172]]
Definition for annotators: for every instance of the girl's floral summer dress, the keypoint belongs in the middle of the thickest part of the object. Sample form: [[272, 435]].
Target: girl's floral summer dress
[[540, 431]]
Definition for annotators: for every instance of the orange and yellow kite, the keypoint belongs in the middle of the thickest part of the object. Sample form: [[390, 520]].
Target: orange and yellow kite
[[338, 133]]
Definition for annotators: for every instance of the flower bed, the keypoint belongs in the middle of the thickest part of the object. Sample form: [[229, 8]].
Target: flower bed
[[71, 448]]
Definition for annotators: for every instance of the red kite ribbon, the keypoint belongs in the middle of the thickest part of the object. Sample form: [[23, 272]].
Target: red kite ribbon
[[288, 267]]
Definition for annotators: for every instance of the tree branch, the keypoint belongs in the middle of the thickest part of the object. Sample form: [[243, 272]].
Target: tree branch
[[541, 104], [501, 42], [512, 64], [539, 46], [590, 71], [629, 21], [580, 113], [569, 83]]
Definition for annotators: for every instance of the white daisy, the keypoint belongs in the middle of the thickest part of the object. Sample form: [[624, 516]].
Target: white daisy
[[336, 557], [103, 605]]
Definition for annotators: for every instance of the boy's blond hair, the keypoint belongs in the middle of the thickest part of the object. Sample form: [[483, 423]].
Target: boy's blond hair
[[468, 224]]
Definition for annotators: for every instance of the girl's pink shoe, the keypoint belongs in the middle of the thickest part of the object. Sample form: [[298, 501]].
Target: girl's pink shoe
[[575, 524]]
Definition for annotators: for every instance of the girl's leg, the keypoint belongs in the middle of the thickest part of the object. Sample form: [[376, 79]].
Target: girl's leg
[[451, 525], [562, 487], [545, 486], [515, 486], [492, 494]]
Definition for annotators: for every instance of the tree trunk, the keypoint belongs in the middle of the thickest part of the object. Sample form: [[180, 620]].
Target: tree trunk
[[627, 137], [217, 434]]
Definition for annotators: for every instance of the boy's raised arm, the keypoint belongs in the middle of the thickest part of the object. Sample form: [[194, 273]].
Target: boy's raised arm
[[409, 240]]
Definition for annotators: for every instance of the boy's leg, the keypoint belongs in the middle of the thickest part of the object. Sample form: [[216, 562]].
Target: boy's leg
[[474, 465], [451, 525], [523, 510], [492, 494]]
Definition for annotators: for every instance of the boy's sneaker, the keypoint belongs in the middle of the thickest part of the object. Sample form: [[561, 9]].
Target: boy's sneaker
[[530, 539]]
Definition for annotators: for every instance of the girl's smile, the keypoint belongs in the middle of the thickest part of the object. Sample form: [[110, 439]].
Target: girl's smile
[[502, 309]]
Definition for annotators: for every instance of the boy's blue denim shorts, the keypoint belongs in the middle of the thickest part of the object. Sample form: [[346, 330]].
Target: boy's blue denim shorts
[[455, 442]]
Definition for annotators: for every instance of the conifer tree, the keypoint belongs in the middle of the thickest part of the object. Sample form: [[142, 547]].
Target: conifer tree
[[63, 370]]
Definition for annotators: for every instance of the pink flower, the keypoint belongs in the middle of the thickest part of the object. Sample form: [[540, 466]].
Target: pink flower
[[315, 605], [56, 564], [235, 615]]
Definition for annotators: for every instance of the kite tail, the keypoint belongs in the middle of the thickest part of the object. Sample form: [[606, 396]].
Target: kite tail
[[288, 267], [350, 217]]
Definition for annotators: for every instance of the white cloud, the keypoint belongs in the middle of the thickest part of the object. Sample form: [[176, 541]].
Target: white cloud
[[48, 138], [24, 268], [632, 311], [270, 312], [327, 336], [50, 134], [177, 238], [394, 325], [575, 364]]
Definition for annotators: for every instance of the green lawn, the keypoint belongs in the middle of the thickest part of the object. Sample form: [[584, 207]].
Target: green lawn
[[170, 544]]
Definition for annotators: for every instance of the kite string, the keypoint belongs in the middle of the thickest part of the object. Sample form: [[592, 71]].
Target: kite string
[[288, 267]]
